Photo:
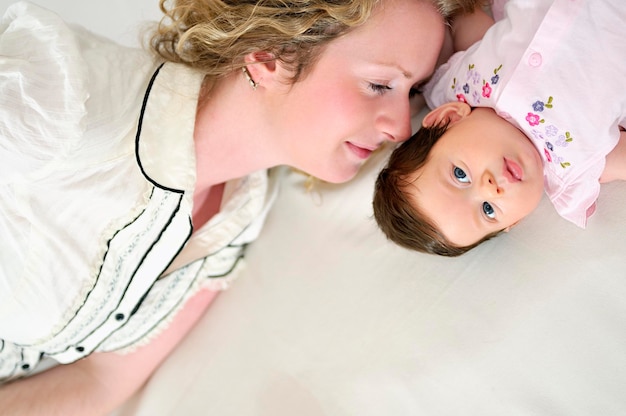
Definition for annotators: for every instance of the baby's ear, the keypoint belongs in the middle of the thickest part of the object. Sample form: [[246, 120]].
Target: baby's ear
[[447, 113]]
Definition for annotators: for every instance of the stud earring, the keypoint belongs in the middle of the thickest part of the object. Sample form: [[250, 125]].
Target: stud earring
[[246, 73]]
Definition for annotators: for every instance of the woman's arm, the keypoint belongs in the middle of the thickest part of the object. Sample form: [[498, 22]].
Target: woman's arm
[[468, 29], [615, 167], [101, 382], [464, 31]]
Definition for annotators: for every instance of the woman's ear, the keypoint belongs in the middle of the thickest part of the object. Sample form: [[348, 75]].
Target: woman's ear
[[261, 66], [447, 113]]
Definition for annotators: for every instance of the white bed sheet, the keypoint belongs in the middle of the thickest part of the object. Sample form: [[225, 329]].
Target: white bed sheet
[[329, 318]]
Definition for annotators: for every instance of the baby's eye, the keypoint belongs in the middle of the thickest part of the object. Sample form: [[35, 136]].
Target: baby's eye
[[488, 210], [379, 88], [460, 175]]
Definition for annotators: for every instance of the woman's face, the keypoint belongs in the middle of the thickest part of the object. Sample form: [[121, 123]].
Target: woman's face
[[356, 96]]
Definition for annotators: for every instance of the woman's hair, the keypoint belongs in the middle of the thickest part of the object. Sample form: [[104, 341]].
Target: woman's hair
[[215, 35], [397, 216]]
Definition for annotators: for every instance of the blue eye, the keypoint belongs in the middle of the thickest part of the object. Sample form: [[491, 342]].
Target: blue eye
[[379, 88], [460, 175], [488, 210]]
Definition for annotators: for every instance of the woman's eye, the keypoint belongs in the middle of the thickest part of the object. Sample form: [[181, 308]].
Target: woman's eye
[[379, 88], [415, 91], [460, 175], [488, 210]]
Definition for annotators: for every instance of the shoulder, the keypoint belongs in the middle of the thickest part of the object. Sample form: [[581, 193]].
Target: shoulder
[[55, 75]]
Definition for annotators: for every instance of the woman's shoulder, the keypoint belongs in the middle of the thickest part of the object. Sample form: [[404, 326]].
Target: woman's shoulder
[[54, 75]]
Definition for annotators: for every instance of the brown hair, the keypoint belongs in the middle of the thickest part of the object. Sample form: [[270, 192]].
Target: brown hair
[[397, 216], [215, 35]]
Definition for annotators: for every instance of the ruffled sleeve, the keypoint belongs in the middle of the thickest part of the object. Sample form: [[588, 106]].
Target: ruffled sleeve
[[42, 89]]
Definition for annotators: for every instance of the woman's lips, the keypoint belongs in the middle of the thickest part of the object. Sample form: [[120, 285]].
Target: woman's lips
[[360, 152], [512, 171]]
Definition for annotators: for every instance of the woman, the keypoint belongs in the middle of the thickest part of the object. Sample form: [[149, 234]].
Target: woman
[[130, 188]]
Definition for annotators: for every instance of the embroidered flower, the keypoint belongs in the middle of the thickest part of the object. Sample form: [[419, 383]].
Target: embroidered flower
[[538, 135], [476, 97], [533, 119], [495, 78], [466, 88], [472, 75], [486, 90], [547, 153], [461, 98], [564, 140], [539, 105], [551, 130], [556, 137]]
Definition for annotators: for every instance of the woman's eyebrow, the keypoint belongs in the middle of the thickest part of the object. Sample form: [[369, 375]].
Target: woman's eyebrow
[[405, 73]]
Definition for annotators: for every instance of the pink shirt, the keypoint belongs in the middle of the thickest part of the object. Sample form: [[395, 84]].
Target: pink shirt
[[557, 71]]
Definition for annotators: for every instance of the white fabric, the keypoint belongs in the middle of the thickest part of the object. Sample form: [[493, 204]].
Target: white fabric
[[330, 319], [96, 195], [555, 69]]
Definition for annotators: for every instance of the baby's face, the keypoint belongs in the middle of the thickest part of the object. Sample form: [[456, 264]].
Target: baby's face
[[482, 176]]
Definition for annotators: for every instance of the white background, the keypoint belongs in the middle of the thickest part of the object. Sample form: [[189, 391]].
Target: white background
[[121, 20]]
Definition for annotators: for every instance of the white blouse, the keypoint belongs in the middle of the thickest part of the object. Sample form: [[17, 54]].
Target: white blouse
[[97, 176]]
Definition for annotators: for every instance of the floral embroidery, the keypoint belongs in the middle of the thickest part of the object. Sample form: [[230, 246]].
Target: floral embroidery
[[472, 87], [475, 86], [564, 140], [533, 119], [538, 106], [494, 80], [548, 157], [486, 90], [551, 131], [557, 139]]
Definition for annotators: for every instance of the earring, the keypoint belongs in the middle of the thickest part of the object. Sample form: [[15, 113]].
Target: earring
[[246, 73]]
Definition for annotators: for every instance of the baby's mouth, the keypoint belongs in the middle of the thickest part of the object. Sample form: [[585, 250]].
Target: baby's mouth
[[512, 171]]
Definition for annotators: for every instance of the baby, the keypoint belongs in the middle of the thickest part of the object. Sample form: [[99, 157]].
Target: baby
[[539, 104]]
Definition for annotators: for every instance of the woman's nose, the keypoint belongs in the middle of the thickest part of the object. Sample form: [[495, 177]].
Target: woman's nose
[[395, 123]]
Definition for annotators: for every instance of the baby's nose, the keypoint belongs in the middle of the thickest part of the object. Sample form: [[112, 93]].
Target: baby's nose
[[490, 185]]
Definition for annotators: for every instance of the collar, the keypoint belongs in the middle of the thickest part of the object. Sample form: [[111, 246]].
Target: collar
[[164, 143]]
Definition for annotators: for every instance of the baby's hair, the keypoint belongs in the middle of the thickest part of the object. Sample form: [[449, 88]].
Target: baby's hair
[[213, 36], [397, 216]]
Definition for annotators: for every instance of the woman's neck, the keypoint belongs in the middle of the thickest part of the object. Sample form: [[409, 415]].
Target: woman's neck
[[230, 135]]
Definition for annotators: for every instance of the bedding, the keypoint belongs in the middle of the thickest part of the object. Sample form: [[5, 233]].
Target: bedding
[[329, 318]]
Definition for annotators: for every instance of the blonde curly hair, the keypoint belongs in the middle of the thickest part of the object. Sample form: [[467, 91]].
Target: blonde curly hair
[[213, 36]]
